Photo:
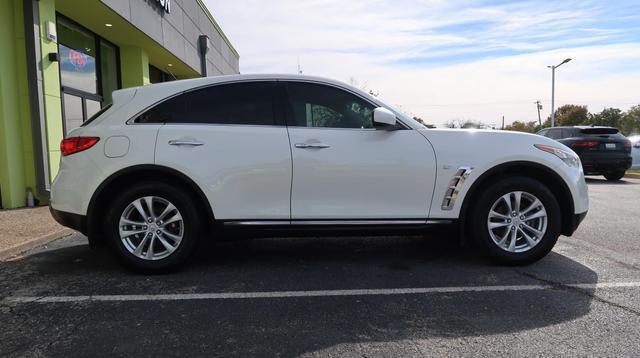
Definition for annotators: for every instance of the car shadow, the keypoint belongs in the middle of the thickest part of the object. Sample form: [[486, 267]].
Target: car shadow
[[289, 326], [602, 181]]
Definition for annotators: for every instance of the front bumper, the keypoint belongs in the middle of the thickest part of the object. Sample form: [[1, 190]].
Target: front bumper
[[74, 221], [570, 227]]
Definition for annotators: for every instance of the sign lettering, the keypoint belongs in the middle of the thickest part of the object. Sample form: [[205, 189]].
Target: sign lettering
[[165, 4]]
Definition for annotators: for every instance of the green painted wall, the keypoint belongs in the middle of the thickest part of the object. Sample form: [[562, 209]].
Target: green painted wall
[[134, 66], [51, 84], [23, 92], [17, 170]]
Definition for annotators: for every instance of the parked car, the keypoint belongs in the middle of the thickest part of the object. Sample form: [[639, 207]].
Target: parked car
[[635, 152], [602, 150], [170, 164]]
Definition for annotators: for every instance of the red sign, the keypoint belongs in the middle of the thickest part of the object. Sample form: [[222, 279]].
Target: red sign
[[77, 59]]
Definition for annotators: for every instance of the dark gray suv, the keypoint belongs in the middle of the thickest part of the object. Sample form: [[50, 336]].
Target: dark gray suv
[[602, 150]]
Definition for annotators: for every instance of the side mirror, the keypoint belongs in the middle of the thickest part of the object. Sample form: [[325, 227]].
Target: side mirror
[[384, 117]]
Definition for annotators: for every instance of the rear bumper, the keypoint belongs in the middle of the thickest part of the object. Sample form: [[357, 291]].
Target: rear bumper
[[602, 165], [575, 220], [74, 221]]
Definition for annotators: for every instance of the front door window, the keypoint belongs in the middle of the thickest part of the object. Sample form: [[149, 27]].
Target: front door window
[[314, 105]]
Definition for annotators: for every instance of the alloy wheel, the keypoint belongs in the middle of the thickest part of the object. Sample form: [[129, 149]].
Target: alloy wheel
[[151, 228], [517, 221]]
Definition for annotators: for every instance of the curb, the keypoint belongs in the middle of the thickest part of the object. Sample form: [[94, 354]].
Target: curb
[[33, 243], [632, 176]]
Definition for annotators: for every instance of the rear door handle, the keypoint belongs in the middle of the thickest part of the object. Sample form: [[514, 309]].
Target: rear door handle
[[185, 142], [312, 145]]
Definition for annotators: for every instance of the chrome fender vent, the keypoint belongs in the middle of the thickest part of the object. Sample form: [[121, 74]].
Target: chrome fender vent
[[455, 185]]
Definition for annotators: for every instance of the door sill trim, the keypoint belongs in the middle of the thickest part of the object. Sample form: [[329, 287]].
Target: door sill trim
[[335, 222]]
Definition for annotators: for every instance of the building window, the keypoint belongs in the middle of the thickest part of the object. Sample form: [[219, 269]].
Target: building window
[[89, 72], [109, 69], [77, 52], [156, 75]]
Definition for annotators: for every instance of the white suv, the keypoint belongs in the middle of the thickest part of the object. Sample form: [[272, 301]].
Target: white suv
[[170, 164]]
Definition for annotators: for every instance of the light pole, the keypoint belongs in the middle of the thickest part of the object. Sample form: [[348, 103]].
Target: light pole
[[553, 90]]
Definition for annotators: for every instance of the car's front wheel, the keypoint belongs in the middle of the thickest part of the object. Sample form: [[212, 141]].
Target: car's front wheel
[[516, 220], [153, 226]]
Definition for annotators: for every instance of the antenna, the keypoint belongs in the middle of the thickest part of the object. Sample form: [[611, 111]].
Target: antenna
[[299, 69]]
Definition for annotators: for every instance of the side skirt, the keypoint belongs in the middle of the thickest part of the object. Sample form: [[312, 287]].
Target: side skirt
[[238, 229]]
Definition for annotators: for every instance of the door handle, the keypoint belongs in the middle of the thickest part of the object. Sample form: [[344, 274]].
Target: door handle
[[185, 142], [311, 145]]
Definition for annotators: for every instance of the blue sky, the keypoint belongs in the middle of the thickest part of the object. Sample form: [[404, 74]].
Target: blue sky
[[444, 60]]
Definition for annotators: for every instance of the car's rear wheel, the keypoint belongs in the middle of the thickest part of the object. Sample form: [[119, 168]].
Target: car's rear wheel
[[516, 220], [153, 226], [615, 175]]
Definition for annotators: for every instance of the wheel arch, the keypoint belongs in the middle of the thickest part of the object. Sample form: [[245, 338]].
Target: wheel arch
[[137, 173], [537, 171]]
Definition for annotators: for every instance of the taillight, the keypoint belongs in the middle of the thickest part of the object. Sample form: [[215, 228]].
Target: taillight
[[72, 145], [627, 145], [585, 144]]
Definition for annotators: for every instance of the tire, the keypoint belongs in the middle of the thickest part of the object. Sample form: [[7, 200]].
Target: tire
[[523, 251], [615, 175], [184, 222]]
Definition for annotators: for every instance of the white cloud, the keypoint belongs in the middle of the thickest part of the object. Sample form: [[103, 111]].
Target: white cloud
[[444, 60]]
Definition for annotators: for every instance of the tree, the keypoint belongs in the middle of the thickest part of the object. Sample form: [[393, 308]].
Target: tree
[[465, 124], [528, 127], [630, 123], [421, 121], [572, 115], [609, 117], [363, 86]]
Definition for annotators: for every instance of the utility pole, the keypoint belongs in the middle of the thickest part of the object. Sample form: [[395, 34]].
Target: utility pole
[[502, 122], [553, 90], [539, 107]]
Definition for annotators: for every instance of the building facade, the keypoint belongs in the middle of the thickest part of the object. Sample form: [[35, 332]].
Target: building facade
[[61, 60]]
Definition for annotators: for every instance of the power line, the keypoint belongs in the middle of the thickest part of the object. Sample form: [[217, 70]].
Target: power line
[[527, 101]]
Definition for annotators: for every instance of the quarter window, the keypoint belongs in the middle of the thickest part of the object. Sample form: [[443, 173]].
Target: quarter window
[[237, 103], [314, 105]]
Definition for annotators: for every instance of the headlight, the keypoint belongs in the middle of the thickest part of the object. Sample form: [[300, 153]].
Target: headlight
[[568, 157]]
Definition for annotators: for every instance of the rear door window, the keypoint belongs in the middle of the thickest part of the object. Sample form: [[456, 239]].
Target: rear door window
[[247, 103], [555, 133]]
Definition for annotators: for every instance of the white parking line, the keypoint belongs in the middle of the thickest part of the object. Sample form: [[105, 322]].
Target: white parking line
[[320, 293]]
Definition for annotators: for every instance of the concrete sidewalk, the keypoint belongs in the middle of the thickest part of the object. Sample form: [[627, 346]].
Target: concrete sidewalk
[[23, 229]]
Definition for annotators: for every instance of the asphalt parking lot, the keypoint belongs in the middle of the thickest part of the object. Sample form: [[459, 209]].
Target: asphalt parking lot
[[365, 297]]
